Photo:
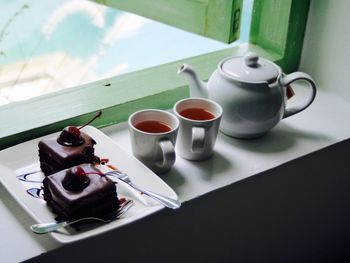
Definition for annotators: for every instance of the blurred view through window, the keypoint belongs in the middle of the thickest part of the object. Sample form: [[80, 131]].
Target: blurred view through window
[[47, 46]]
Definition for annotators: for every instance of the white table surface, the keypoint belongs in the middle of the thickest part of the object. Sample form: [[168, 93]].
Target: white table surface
[[324, 123]]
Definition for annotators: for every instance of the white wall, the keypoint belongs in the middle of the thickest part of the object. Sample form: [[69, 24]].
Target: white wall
[[326, 51]]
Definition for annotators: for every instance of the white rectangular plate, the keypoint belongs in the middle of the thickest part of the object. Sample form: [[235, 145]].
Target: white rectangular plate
[[24, 158]]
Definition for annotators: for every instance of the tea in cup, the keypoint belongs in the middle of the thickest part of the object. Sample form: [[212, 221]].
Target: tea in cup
[[199, 125], [153, 135]]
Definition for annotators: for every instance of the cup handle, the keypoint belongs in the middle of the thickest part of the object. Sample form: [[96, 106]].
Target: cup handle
[[198, 139], [288, 79], [168, 154]]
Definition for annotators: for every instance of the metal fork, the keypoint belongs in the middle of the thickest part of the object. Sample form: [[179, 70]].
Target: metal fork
[[166, 201], [44, 228]]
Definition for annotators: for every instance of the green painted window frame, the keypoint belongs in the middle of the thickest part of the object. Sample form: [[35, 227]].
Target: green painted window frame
[[278, 37]]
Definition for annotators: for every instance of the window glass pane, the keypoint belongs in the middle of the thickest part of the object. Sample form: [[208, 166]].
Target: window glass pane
[[47, 46]]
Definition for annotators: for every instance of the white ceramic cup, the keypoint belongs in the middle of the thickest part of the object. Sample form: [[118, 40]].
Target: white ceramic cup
[[151, 144], [197, 136]]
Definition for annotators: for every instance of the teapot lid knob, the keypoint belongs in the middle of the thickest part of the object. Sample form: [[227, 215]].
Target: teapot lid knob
[[251, 59]]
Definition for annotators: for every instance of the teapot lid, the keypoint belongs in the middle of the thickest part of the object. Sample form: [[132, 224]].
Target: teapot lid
[[250, 68]]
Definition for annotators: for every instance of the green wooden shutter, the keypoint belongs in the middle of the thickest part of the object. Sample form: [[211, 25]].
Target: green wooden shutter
[[217, 19], [279, 27]]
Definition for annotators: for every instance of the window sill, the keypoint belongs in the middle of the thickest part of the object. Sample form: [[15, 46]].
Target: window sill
[[118, 97], [235, 159], [299, 189]]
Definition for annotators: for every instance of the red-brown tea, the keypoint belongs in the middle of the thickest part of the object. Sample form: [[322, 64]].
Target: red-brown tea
[[153, 126], [197, 114]]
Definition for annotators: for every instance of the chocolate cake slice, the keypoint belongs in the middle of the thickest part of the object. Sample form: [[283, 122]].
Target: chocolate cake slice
[[80, 191], [70, 148], [55, 155]]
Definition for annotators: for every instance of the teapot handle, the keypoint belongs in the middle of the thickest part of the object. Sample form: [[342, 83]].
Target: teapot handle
[[288, 79]]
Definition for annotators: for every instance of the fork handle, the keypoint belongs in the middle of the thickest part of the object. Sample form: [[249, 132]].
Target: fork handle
[[167, 201], [48, 227]]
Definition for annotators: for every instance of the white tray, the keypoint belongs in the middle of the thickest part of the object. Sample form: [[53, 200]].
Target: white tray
[[23, 158]]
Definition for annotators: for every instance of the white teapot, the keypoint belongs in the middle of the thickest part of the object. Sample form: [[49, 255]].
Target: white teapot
[[251, 91]]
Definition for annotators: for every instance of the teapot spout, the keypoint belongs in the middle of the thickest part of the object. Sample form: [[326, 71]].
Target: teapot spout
[[198, 88]]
